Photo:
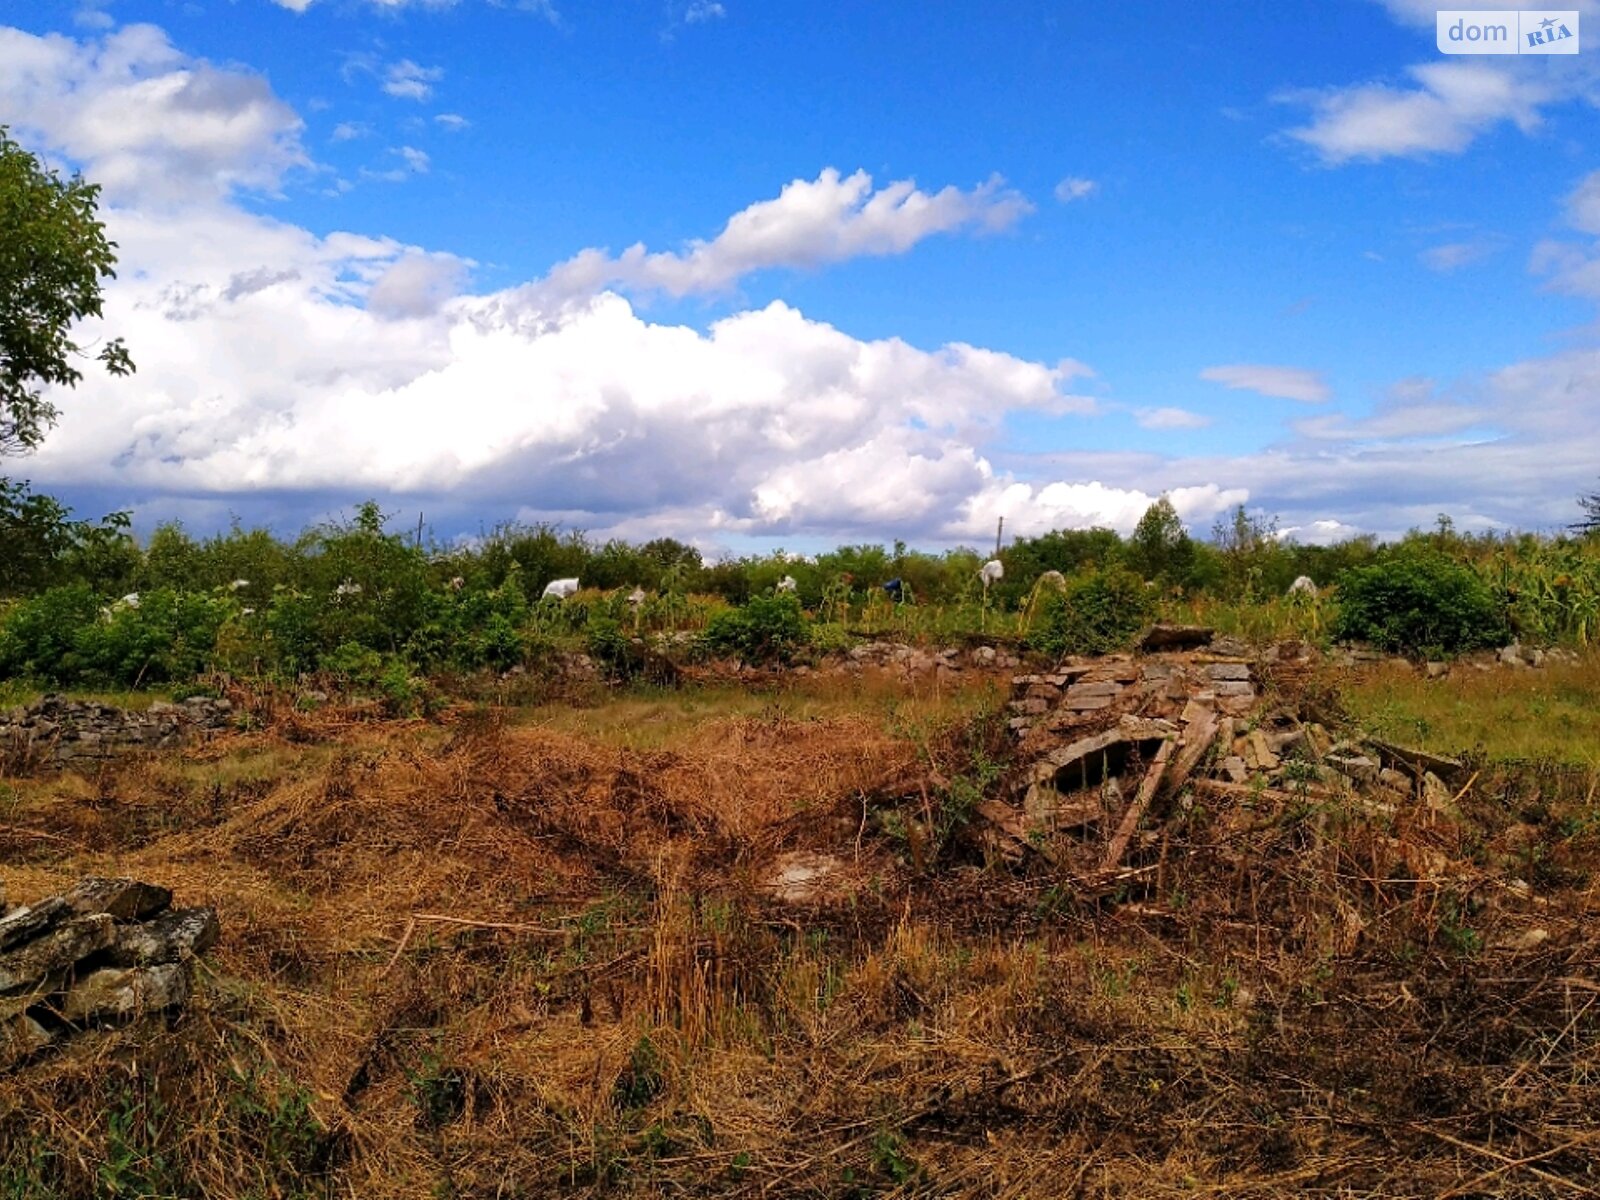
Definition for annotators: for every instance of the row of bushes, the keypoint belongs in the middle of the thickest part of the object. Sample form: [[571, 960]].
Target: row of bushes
[[249, 603], [1244, 559], [1416, 603]]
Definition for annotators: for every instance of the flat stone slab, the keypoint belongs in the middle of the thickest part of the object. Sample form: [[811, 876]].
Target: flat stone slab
[[1103, 687], [169, 938], [115, 993], [32, 920], [55, 951], [124, 899]]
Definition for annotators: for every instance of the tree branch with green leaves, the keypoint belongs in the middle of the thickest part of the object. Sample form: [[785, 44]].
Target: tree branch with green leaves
[[54, 257]]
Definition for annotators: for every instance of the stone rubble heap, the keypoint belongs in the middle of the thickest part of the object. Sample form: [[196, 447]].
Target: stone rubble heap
[[1102, 741], [106, 951], [57, 732]]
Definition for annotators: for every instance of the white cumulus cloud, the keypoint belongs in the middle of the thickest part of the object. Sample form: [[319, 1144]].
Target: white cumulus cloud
[[410, 81], [1442, 111], [1287, 383], [811, 223], [143, 120]]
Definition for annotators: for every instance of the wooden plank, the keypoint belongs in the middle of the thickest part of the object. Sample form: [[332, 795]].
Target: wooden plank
[[1198, 738], [1141, 801]]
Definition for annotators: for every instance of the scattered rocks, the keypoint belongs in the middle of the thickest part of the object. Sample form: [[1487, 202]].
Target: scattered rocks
[[1516, 656], [57, 732], [106, 950], [914, 660]]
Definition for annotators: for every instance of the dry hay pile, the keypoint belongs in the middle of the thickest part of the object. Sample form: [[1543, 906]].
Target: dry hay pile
[[489, 961]]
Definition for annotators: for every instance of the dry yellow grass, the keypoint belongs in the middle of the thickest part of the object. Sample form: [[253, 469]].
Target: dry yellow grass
[[488, 959]]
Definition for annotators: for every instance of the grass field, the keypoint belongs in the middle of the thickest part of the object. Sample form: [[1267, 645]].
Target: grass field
[[535, 952], [1546, 715]]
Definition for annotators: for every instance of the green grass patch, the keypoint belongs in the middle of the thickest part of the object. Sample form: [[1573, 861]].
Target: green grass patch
[[1504, 714]]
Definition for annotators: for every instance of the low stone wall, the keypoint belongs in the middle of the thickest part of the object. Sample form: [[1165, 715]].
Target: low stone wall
[[57, 732]]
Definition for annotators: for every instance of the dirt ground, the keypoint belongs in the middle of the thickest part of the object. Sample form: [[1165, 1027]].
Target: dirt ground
[[771, 950]]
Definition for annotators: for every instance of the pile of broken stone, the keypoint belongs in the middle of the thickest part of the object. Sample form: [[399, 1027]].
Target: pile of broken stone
[[106, 951], [1101, 740]]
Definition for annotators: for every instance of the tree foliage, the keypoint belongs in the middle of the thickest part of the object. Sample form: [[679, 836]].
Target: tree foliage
[[40, 543], [54, 255], [1160, 548]]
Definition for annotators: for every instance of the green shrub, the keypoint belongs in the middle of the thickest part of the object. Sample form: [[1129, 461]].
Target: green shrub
[[65, 637], [1421, 604], [472, 628], [767, 629], [612, 648], [38, 637], [1097, 613], [167, 636]]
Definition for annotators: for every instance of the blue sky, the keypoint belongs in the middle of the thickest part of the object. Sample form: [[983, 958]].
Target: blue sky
[[1044, 261]]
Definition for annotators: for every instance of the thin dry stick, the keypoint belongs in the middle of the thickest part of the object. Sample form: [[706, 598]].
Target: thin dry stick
[[1510, 1163], [510, 925], [400, 949]]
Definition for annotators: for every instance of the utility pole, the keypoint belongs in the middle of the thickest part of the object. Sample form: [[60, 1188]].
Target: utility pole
[[999, 532], [419, 531]]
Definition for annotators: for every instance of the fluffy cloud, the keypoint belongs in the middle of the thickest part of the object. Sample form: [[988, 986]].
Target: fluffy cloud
[[1574, 269], [452, 122], [810, 224], [703, 10], [1450, 104], [1073, 188], [410, 81], [275, 362], [145, 121], [1287, 383], [1583, 206], [417, 284]]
